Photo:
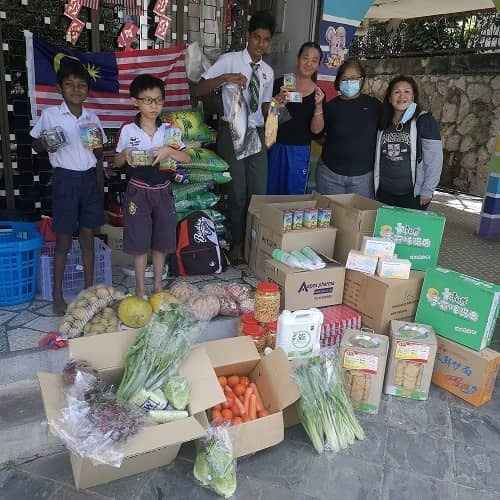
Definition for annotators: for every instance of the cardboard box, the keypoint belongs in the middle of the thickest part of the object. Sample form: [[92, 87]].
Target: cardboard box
[[417, 234], [154, 445], [320, 240], [458, 307], [363, 356], [468, 374], [302, 289], [358, 261], [115, 242], [411, 360], [351, 212], [271, 374], [346, 241], [380, 300], [256, 203]]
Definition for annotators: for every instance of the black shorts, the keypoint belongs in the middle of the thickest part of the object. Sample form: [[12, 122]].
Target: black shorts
[[150, 222], [76, 201]]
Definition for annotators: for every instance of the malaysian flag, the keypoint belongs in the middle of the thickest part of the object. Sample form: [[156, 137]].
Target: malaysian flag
[[132, 7], [111, 74]]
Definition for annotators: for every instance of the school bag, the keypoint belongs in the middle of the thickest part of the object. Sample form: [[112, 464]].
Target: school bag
[[198, 250]]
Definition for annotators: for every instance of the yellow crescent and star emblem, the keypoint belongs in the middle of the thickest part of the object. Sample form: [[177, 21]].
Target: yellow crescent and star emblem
[[93, 70]]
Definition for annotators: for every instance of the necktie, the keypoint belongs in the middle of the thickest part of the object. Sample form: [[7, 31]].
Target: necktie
[[254, 88]]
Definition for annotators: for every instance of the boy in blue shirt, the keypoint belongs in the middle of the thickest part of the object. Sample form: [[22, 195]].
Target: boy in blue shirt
[[77, 196]]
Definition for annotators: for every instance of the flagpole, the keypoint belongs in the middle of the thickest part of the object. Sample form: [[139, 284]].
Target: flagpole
[[4, 130], [95, 44]]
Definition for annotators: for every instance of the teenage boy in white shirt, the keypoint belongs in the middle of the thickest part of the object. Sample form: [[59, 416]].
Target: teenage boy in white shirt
[[77, 196], [247, 69], [150, 220]]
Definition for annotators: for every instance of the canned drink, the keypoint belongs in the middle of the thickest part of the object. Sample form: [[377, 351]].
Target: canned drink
[[290, 81], [324, 217], [298, 219], [287, 220], [311, 218], [294, 97]]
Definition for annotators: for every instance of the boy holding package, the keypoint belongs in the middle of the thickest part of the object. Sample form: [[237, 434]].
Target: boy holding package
[[150, 221], [73, 137]]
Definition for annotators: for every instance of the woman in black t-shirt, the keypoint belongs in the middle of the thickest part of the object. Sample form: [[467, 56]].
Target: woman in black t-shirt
[[350, 124], [288, 158]]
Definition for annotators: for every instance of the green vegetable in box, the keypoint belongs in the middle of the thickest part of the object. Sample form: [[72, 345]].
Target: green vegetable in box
[[176, 390], [198, 175], [205, 159]]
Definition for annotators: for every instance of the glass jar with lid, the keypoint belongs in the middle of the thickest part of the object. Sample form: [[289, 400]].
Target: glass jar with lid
[[257, 334], [267, 302]]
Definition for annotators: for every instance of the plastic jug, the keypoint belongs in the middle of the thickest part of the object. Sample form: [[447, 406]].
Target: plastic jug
[[299, 332]]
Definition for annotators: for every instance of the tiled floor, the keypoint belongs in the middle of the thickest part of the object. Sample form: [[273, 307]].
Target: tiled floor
[[440, 449]]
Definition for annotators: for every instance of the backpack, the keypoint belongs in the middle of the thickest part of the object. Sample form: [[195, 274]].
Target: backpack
[[198, 250]]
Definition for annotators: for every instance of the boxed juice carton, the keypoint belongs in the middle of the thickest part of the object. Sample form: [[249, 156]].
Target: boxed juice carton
[[459, 307], [394, 268], [271, 374], [378, 247], [358, 261], [411, 360], [154, 445], [468, 374], [380, 300], [301, 289], [363, 356], [416, 233]]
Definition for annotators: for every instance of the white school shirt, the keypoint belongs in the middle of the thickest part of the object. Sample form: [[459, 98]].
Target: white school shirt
[[132, 136], [73, 156], [239, 62]]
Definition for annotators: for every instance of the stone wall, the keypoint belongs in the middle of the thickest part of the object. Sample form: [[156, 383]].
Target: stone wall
[[463, 94]]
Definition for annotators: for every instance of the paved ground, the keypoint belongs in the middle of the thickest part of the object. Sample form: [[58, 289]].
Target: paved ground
[[439, 449]]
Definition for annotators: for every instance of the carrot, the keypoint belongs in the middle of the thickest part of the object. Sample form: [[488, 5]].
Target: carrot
[[222, 381], [263, 413], [236, 402], [244, 381], [253, 407], [216, 413], [260, 406], [239, 389], [227, 404], [227, 415], [248, 393], [237, 421], [233, 380]]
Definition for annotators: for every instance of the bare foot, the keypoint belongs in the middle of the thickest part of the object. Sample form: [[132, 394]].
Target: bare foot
[[59, 307]]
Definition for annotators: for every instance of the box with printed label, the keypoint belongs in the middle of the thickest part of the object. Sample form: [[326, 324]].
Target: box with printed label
[[345, 242], [468, 374], [394, 268], [416, 233], [272, 376], [363, 355], [458, 307], [411, 360], [380, 300], [154, 445], [358, 261], [379, 247], [302, 289]]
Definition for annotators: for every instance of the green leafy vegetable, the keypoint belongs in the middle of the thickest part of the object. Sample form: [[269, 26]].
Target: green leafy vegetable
[[176, 390], [166, 416]]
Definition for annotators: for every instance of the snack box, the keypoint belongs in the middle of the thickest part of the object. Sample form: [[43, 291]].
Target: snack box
[[394, 268], [378, 247], [357, 261]]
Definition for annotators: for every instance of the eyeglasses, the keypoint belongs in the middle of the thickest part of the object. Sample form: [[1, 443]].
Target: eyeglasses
[[150, 100]]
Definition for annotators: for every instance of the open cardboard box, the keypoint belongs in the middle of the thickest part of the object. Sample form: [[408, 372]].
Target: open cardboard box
[[271, 374], [272, 214], [154, 445], [302, 289]]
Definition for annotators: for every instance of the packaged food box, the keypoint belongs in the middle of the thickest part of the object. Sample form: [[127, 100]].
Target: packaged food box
[[411, 360], [154, 445], [378, 247], [271, 374], [380, 300], [311, 218], [141, 157], [336, 319], [324, 217], [358, 261], [416, 233], [394, 268], [91, 136], [459, 307], [468, 374], [363, 356]]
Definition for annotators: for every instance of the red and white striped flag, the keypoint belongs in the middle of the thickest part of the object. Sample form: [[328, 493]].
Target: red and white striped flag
[[111, 71]]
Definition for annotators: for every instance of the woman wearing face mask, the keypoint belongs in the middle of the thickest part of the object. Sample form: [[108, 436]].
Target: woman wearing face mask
[[288, 158], [350, 123], [409, 153]]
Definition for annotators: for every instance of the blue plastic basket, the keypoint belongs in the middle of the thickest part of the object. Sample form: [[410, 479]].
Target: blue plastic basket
[[19, 257]]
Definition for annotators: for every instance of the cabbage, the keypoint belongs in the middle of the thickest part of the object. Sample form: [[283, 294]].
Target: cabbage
[[176, 390]]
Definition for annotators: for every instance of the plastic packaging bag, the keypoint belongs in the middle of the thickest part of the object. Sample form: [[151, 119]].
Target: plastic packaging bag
[[184, 192], [238, 291], [205, 159], [228, 307], [215, 463], [196, 175], [246, 140], [271, 129], [190, 122], [197, 202]]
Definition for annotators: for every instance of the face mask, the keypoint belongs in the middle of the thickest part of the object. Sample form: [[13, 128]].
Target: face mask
[[409, 112], [350, 88]]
